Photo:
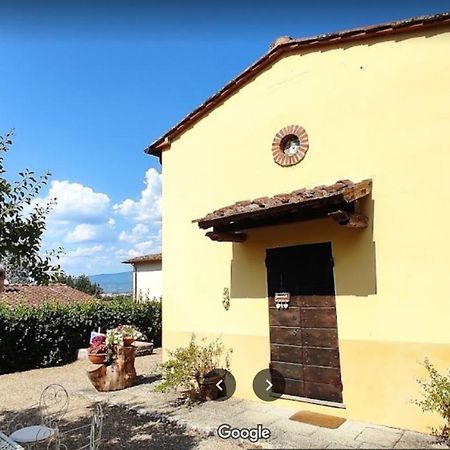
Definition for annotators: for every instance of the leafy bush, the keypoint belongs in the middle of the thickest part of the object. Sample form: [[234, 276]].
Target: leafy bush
[[50, 335], [436, 398], [188, 366]]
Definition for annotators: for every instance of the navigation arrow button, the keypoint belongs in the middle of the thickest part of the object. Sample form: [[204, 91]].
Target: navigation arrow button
[[268, 384], [218, 385]]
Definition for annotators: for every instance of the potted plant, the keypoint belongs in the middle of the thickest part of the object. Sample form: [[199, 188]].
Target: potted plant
[[130, 334], [123, 335], [196, 369], [209, 368], [97, 350]]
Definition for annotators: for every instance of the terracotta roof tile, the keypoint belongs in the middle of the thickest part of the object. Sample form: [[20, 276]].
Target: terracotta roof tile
[[155, 257], [34, 295], [345, 189]]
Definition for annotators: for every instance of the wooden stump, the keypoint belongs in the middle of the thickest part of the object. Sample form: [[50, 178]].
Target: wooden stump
[[119, 375]]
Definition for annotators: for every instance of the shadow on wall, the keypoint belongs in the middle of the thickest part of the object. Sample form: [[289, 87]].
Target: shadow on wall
[[353, 253]]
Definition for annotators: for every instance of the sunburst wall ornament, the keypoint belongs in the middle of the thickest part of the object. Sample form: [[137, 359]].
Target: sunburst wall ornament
[[290, 145]]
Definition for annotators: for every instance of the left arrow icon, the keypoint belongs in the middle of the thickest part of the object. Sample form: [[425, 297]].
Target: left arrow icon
[[218, 385]]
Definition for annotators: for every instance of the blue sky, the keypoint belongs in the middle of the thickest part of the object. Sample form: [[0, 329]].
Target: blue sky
[[88, 85]]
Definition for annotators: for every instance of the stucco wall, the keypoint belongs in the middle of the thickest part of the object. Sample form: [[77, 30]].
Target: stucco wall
[[376, 110], [147, 281]]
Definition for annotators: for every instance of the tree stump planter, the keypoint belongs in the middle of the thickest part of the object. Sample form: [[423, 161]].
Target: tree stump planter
[[119, 375]]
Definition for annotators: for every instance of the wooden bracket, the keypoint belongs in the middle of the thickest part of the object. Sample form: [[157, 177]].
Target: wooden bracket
[[349, 219], [357, 191], [226, 237]]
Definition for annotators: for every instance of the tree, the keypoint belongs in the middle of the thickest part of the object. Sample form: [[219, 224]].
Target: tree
[[22, 223], [82, 283], [15, 274]]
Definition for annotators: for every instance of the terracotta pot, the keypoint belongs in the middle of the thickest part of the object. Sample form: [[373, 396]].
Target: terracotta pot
[[97, 358], [208, 389], [127, 341]]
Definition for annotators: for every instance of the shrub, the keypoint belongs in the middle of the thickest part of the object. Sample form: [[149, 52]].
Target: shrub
[[50, 335], [436, 398], [187, 366]]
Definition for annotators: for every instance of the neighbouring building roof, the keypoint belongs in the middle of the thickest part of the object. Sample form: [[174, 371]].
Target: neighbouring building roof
[[336, 201], [155, 257], [34, 295], [286, 44]]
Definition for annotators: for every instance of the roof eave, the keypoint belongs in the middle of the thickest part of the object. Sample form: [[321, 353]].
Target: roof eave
[[356, 34]]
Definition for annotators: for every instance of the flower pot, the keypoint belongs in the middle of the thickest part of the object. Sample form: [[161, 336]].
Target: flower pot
[[208, 389], [97, 358], [127, 341]]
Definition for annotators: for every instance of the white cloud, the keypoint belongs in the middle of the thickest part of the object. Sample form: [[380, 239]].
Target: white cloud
[[96, 242], [77, 203], [150, 244], [82, 233], [80, 253], [85, 232], [148, 207], [136, 234], [85, 251], [82, 259]]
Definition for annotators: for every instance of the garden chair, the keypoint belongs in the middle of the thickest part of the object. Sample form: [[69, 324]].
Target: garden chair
[[95, 434], [8, 444], [53, 405]]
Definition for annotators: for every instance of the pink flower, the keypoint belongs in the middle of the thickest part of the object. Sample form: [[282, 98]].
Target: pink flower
[[98, 340]]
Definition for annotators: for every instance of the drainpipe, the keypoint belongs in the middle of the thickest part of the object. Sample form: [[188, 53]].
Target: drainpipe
[[135, 282]]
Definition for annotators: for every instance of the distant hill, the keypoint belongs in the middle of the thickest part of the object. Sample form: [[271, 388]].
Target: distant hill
[[114, 283]]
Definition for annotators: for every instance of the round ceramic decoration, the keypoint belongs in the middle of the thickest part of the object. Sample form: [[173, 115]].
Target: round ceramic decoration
[[290, 145]]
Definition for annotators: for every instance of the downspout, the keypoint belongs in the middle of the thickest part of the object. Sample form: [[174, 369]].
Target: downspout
[[135, 282]]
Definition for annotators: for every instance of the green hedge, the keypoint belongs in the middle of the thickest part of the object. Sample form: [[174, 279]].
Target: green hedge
[[51, 334]]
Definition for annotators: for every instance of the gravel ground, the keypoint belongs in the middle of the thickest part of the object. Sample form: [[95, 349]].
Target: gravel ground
[[122, 429]]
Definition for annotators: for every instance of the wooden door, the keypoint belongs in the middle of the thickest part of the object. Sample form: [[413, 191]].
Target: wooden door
[[303, 338]]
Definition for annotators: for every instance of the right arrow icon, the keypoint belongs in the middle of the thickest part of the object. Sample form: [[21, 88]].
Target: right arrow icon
[[267, 383]]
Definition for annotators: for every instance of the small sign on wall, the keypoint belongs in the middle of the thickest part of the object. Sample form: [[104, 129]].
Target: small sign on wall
[[282, 300]]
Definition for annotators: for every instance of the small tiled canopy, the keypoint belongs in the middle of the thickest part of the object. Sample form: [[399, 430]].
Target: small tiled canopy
[[150, 258], [337, 201]]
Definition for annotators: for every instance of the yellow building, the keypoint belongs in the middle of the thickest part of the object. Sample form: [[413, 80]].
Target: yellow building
[[360, 263]]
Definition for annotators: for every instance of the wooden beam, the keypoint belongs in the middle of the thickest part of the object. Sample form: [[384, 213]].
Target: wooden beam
[[226, 237], [263, 217], [350, 219], [359, 190]]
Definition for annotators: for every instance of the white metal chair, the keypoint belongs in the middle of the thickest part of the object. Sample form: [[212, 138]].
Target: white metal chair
[[53, 405], [95, 434], [8, 444]]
